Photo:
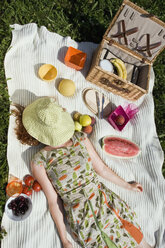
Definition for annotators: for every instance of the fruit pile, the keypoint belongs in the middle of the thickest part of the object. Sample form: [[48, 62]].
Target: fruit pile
[[19, 205], [83, 123], [120, 67], [30, 185]]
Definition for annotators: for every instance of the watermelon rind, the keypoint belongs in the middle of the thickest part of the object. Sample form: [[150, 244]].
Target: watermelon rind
[[124, 139]]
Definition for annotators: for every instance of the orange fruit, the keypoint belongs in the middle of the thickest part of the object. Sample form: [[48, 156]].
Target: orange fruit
[[13, 188]]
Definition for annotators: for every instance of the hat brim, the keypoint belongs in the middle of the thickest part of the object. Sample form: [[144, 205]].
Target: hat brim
[[53, 136]]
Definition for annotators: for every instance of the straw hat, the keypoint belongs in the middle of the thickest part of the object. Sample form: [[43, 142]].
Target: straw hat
[[47, 122]]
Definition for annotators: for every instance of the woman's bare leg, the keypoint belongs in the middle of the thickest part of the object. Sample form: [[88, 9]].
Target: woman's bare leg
[[144, 244]]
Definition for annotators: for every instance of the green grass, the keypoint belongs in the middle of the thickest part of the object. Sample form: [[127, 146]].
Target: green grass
[[83, 21]]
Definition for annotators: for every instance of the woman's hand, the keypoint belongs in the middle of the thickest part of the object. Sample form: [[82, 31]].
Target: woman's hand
[[135, 186], [104, 171], [67, 244]]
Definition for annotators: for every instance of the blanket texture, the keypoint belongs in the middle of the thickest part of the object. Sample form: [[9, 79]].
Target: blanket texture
[[30, 48]]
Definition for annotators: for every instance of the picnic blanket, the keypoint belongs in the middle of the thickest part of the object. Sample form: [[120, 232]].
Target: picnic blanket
[[30, 48]]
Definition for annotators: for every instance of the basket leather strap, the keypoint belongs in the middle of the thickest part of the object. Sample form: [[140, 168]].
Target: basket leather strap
[[149, 46], [125, 32], [107, 82]]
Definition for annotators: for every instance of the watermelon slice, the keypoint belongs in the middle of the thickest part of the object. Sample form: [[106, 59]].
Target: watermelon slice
[[120, 147]]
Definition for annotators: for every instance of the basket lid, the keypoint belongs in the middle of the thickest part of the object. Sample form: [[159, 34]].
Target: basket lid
[[137, 30]]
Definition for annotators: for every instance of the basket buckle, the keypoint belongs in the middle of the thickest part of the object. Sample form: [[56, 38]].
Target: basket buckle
[[118, 82]]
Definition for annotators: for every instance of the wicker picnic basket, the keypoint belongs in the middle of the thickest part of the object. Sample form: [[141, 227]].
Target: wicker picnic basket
[[136, 37]]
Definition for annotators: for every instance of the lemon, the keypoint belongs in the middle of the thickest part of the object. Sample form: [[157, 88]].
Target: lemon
[[85, 120], [67, 87]]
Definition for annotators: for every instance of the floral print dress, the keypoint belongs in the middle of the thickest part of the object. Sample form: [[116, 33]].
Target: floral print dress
[[97, 216]]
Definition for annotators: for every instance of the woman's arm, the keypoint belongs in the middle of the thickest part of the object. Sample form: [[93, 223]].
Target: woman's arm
[[104, 171], [54, 201]]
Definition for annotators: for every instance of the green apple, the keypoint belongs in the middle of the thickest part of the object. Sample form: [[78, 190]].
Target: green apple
[[78, 126]]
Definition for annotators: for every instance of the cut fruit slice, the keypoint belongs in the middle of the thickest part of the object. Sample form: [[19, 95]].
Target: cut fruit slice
[[13, 178], [14, 188], [120, 147]]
